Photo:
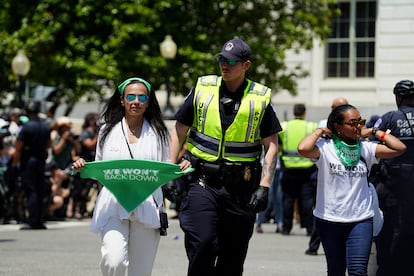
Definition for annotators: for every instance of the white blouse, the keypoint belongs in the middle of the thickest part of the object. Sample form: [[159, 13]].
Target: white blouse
[[116, 147]]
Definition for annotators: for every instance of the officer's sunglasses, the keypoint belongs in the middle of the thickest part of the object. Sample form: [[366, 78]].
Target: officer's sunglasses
[[356, 122], [142, 98], [230, 62]]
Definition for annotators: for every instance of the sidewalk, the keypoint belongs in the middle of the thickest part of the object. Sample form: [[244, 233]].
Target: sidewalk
[[68, 248], [270, 254]]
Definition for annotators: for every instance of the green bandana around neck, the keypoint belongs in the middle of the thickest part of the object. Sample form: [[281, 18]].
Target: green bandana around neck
[[131, 181], [348, 154]]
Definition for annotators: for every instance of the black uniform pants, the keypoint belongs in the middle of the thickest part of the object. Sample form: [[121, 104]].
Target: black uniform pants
[[218, 225], [33, 180], [297, 185], [395, 243]]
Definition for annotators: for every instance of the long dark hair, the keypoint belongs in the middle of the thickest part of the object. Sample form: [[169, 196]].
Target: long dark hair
[[337, 116], [114, 112]]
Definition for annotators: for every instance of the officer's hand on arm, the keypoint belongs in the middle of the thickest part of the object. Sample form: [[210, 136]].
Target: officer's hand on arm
[[259, 199]]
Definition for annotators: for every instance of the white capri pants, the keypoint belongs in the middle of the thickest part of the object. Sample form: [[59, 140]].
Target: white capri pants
[[128, 244]]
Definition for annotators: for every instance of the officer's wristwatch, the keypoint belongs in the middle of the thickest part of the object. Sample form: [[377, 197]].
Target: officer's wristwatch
[[374, 130]]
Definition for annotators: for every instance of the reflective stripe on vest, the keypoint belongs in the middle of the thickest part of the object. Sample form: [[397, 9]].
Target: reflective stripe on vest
[[241, 140], [203, 142]]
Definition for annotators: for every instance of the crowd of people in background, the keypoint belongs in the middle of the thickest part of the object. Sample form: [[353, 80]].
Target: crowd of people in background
[[59, 195]]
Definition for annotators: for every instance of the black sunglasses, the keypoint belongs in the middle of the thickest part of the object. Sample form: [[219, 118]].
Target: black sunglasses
[[356, 122], [230, 62]]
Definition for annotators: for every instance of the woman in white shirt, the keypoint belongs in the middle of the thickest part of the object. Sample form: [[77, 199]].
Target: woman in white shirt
[[133, 128], [344, 203]]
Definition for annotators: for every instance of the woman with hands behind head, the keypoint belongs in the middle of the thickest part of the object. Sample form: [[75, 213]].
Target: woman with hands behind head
[[343, 210], [133, 128]]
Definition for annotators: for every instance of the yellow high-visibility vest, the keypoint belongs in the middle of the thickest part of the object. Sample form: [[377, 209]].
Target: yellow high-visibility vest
[[241, 141], [293, 132]]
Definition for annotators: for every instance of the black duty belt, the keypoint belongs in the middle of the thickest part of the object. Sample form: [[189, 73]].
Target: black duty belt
[[226, 173]]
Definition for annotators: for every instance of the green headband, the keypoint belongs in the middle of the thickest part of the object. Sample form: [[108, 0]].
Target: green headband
[[122, 86]]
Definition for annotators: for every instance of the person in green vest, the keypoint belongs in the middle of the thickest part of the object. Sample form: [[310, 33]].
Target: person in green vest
[[297, 170], [230, 130]]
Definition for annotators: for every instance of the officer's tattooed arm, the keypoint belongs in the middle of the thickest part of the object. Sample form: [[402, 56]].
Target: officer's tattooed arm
[[270, 144]]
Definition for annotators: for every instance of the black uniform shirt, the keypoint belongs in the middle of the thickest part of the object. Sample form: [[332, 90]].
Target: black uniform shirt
[[401, 124], [35, 136]]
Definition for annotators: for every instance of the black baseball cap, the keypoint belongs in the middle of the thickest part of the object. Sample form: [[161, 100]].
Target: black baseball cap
[[235, 49]]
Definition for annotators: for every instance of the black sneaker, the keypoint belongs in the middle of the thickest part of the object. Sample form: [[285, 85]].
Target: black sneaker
[[33, 227], [285, 232], [259, 229], [310, 252]]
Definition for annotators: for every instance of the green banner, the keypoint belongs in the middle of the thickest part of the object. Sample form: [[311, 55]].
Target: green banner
[[131, 181]]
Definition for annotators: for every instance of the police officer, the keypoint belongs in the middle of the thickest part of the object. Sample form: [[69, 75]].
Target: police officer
[[30, 154], [395, 243], [231, 126], [296, 180]]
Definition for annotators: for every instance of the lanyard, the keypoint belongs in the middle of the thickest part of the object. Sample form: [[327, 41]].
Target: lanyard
[[132, 157]]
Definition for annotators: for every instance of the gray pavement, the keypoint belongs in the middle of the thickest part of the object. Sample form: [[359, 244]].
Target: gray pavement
[[68, 248]]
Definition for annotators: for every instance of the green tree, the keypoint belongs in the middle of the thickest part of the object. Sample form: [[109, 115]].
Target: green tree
[[82, 46]]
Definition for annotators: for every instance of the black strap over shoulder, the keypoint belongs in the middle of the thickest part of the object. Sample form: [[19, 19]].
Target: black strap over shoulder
[[376, 173]]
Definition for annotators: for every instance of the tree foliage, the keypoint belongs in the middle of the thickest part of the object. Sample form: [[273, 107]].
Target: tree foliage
[[82, 46]]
